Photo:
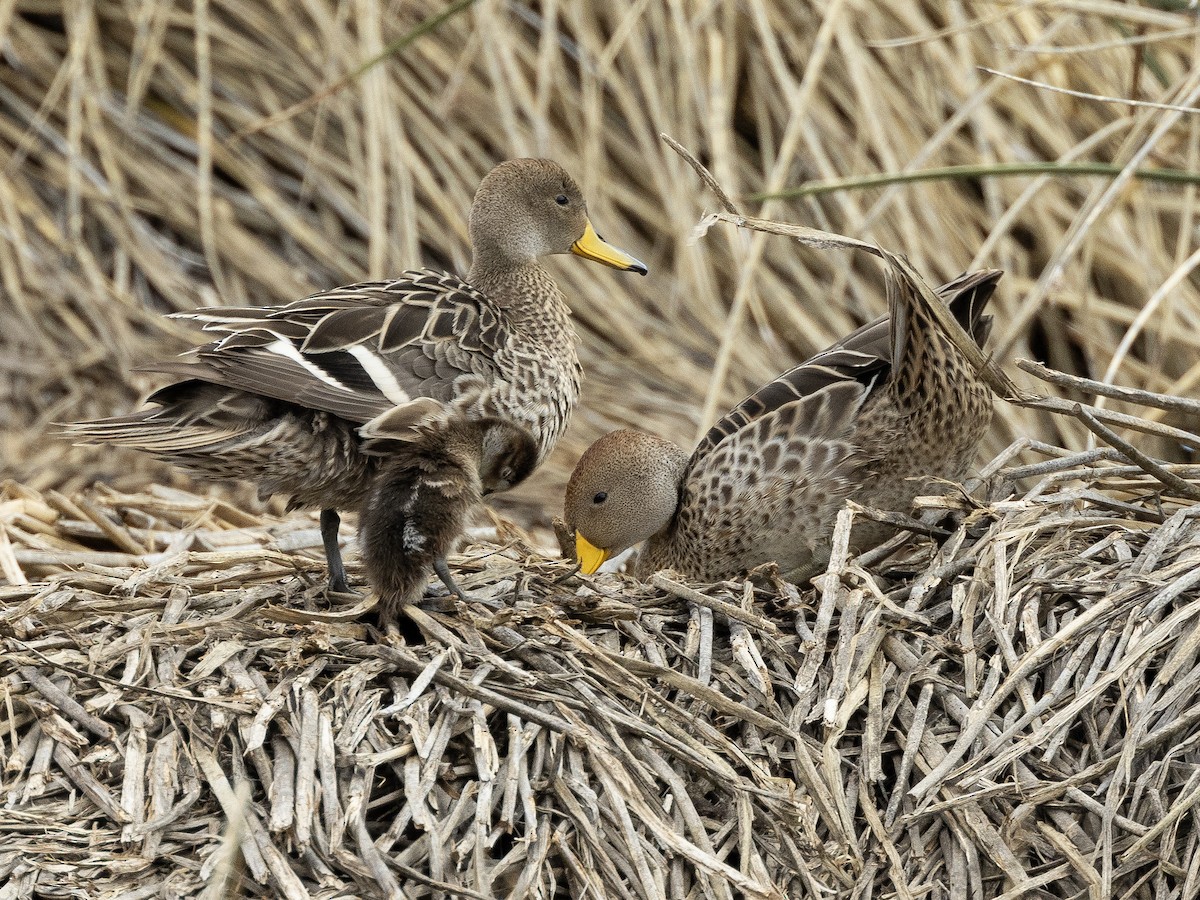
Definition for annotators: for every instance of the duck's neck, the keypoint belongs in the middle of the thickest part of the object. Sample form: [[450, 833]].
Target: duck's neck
[[674, 544], [671, 548], [516, 285], [523, 288], [924, 359]]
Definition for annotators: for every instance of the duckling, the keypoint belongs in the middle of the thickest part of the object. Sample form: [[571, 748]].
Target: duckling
[[873, 418], [279, 397], [431, 475]]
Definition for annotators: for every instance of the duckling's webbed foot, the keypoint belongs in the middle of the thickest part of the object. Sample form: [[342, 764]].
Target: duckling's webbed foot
[[443, 572], [333, 553]]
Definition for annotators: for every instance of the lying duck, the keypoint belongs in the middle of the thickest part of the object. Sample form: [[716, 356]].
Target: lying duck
[[279, 397], [874, 418], [431, 474]]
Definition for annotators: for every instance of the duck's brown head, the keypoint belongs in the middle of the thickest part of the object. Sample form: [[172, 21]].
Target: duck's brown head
[[528, 208], [624, 490]]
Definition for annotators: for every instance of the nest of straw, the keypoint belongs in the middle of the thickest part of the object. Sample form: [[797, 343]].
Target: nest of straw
[[1021, 715]]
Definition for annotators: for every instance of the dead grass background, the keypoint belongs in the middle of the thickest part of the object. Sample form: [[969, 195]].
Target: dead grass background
[[180, 705], [142, 173]]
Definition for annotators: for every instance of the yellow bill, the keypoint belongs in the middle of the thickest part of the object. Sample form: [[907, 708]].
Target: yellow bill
[[590, 556], [592, 246]]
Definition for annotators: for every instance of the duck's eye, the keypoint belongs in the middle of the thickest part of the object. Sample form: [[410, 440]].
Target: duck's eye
[[600, 497], [561, 200]]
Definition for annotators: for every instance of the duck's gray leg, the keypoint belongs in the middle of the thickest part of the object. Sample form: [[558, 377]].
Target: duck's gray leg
[[443, 572], [333, 553]]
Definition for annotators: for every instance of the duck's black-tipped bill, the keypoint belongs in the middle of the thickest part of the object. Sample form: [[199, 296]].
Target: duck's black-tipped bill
[[592, 246]]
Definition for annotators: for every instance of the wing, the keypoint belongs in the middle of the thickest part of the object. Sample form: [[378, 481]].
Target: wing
[[770, 490], [863, 356], [355, 351]]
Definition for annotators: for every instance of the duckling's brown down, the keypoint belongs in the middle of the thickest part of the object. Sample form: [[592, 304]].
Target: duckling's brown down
[[429, 480]]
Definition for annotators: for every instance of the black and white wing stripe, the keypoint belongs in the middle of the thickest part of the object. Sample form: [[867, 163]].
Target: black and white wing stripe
[[354, 351]]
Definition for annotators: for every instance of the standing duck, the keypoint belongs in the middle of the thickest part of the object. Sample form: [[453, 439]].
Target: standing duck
[[431, 475], [280, 396], [874, 418]]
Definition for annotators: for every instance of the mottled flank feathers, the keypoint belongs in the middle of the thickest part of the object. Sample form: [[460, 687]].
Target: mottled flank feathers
[[875, 418]]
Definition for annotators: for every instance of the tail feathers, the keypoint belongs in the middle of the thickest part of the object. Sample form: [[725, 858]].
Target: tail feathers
[[968, 296], [154, 432], [188, 368], [190, 417], [919, 328]]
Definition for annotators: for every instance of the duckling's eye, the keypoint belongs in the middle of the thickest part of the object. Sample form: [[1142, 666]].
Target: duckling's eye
[[561, 200], [600, 497]]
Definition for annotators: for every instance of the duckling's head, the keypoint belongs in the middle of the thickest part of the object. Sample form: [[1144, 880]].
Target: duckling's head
[[508, 454], [528, 208], [624, 489]]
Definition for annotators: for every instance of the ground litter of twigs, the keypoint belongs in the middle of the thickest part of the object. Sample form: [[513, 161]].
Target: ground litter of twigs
[[1013, 711]]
